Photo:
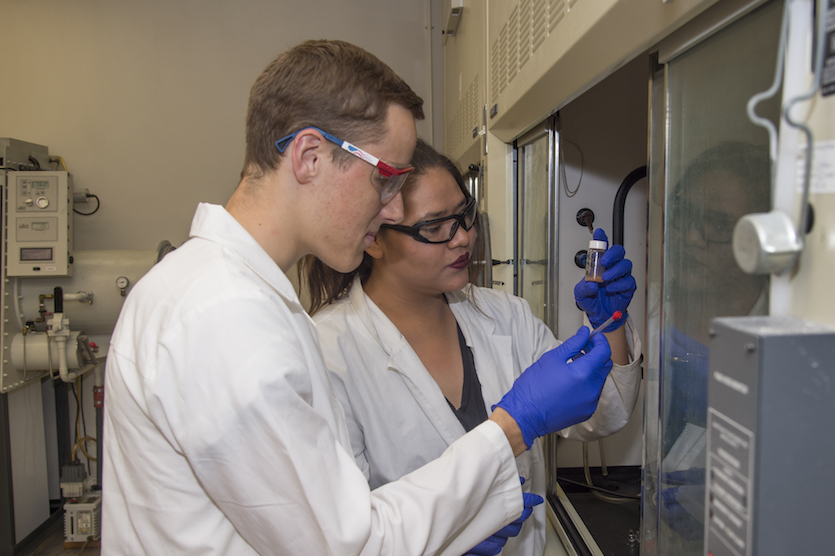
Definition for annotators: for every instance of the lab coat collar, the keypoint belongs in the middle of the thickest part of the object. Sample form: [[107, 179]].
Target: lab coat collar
[[377, 323], [389, 337], [492, 349], [404, 361], [460, 300], [213, 223]]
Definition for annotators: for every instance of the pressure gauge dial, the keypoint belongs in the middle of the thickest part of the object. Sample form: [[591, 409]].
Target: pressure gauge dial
[[122, 283]]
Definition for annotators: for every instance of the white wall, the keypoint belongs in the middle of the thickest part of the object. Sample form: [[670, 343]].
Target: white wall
[[145, 101]]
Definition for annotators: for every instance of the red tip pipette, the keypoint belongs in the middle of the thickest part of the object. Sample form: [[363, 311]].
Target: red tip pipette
[[617, 315]]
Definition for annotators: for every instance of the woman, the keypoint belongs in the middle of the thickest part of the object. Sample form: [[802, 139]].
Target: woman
[[418, 356]]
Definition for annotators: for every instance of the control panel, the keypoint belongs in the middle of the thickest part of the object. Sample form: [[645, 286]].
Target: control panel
[[39, 223], [770, 437]]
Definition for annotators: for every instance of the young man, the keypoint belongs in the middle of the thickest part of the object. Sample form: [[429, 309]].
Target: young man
[[223, 433]]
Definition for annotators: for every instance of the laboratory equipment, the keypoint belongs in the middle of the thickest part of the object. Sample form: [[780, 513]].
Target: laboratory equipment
[[619, 207], [39, 225], [585, 218], [617, 315], [58, 304], [82, 519], [90, 301], [537, 211], [770, 242], [595, 270], [709, 165], [579, 389], [22, 155], [770, 440], [74, 480], [54, 297]]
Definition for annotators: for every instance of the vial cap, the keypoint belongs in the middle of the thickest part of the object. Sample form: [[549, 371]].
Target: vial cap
[[595, 244]]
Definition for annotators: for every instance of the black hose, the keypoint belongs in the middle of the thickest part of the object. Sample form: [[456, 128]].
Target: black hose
[[58, 299], [634, 177]]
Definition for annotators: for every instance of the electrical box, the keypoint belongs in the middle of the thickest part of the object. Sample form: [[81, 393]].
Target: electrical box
[[82, 518], [770, 437], [39, 224], [22, 155]]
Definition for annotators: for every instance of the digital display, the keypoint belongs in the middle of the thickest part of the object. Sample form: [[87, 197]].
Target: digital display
[[40, 184], [36, 254], [40, 226]]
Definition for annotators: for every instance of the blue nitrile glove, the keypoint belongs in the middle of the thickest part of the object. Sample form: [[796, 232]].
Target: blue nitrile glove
[[682, 502], [683, 490], [494, 543], [553, 394], [687, 388], [601, 300], [488, 547]]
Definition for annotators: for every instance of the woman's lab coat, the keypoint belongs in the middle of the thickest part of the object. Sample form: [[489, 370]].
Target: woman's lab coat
[[397, 416]]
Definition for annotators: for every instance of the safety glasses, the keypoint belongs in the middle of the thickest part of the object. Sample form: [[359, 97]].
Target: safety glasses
[[386, 178], [439, 230]]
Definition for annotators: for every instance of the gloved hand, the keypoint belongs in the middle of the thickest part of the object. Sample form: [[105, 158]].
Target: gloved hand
[[490, 546], [600, 300], [494, 543], [683, 486], [682, 502], [686, 390], [553, 394]]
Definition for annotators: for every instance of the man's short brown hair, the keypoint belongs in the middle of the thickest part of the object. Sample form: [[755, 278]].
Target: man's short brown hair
[[333, 85]]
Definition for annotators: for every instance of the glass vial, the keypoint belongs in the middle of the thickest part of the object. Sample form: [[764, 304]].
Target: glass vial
[[594, 270]]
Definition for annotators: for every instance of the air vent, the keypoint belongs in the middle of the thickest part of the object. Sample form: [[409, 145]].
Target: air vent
[[526, 28], [466, 118]]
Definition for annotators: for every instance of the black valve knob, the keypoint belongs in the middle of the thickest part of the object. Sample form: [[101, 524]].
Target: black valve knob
[[585, 217]]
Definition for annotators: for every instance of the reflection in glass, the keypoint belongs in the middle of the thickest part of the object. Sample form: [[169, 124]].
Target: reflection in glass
[[716, 169]]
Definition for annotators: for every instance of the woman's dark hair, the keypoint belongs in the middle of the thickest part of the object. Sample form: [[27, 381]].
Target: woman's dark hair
[[750, 163], [326, 285]]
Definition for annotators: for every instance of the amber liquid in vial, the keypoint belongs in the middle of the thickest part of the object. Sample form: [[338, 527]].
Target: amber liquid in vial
[[594, 270]]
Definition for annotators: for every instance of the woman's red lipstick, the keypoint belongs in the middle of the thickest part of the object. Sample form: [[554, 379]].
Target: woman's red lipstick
[[461, 262]]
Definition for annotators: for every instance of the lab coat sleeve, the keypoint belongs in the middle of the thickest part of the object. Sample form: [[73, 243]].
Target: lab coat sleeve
[[245, 419], [620, 391], [618, 398]]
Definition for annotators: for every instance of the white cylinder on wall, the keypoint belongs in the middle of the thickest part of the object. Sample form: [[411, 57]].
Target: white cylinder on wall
[[39, 352]]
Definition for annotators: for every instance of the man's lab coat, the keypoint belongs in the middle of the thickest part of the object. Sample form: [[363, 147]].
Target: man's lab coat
[[223, 434]]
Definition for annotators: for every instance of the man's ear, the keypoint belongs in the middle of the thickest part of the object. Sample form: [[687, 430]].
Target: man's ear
[[307, 155]]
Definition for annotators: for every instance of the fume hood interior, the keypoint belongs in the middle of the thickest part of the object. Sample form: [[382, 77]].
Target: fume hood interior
[[576, 161], [679, 110]]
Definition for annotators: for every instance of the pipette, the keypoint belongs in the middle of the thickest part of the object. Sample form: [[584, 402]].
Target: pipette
[[617, 315]]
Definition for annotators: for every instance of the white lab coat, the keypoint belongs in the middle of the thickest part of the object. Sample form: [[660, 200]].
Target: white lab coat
[[223, 435], [398, 418]]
